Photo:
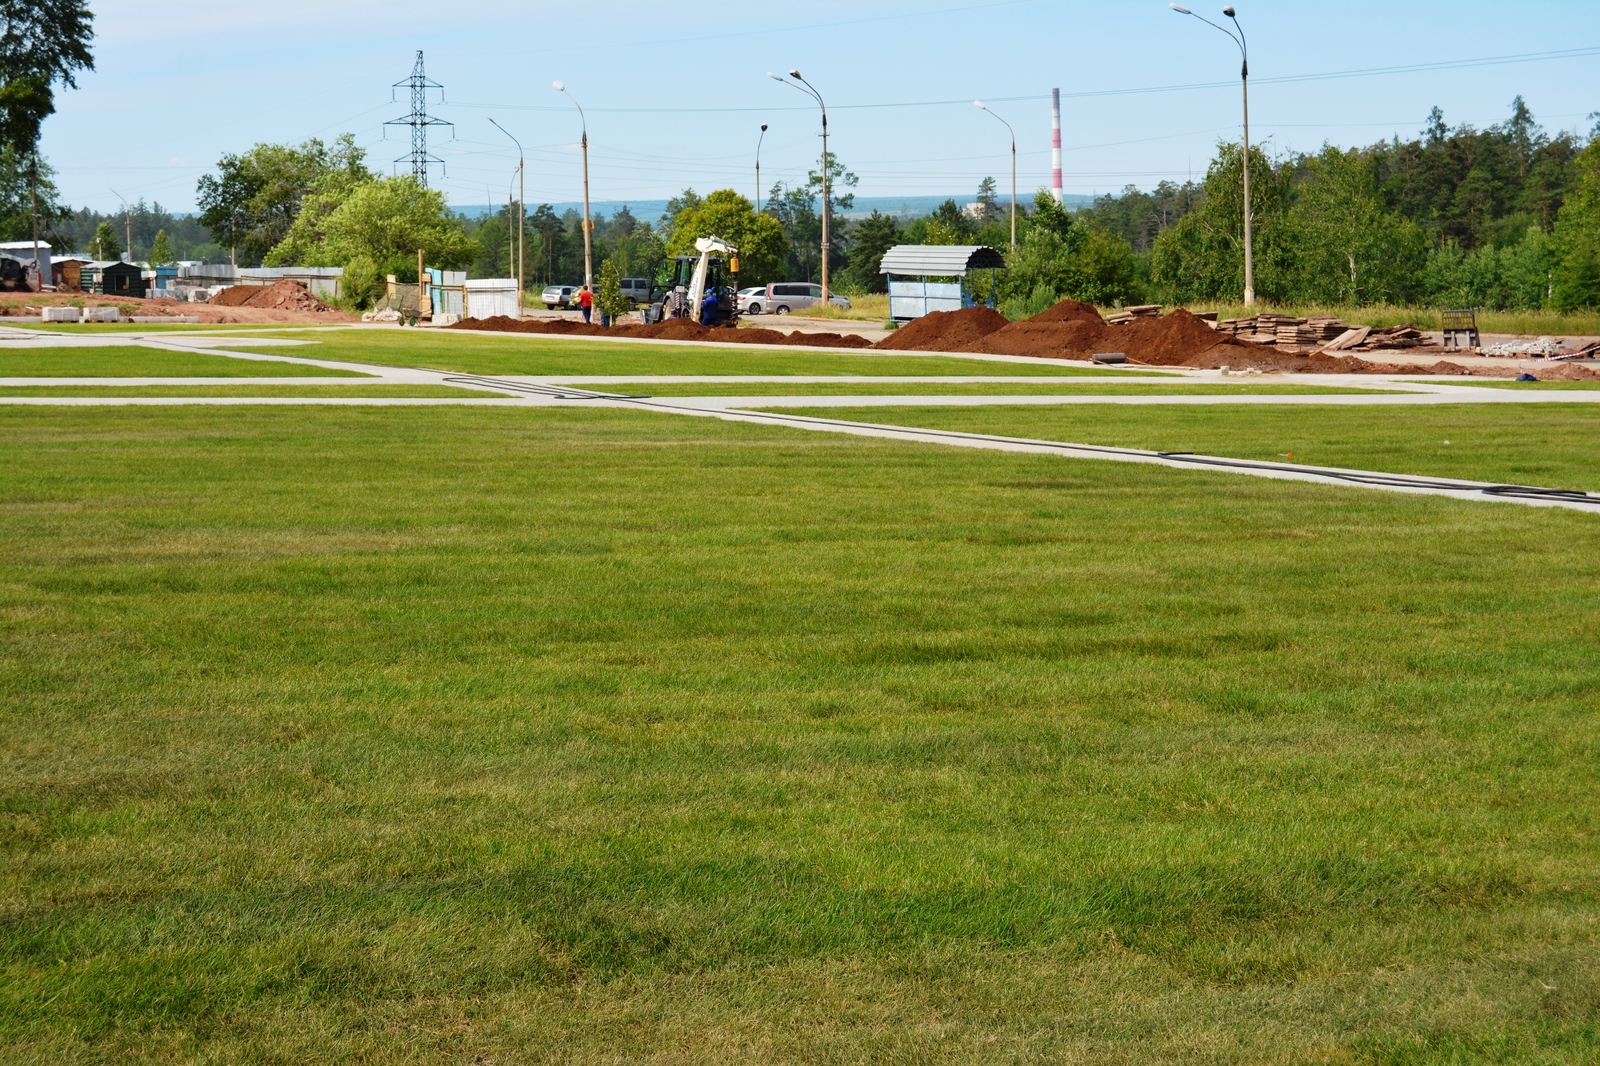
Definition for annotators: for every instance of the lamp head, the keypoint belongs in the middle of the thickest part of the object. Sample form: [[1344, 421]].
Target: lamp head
[[795, 74], [763, 127], [559, 87], [1180, 9], [1228, 11], [979, 105], [774, 77]]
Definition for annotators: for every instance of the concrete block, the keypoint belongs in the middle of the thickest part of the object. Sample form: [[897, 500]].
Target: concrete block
[[102, 314], [61, 314]]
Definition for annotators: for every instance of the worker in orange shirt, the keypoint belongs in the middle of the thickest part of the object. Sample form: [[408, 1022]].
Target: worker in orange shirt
[[585, 302]]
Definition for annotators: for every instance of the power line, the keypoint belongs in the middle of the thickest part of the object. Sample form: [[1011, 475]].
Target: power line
[[1365, 72]]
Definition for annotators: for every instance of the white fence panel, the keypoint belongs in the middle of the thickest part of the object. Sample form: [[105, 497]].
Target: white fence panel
[[487, 297], [914, 298]]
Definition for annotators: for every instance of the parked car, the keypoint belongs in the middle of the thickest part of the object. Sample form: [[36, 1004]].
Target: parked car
[[637, 290], [750, 300], [555, 296], [783, 297]]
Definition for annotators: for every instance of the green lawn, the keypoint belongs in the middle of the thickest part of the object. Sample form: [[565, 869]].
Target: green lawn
[[534, 354], [418, 735], [913, 388], [356, 389], [1550, 445], [1480, 383], [133, 361]]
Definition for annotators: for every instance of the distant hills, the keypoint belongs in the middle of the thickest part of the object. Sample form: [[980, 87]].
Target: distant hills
[[903, 206]]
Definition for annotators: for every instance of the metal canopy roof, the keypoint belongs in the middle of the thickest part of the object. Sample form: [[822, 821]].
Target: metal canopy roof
[[939, 260]]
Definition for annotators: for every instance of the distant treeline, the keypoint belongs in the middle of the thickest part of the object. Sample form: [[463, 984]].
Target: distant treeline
[[1506, 218]]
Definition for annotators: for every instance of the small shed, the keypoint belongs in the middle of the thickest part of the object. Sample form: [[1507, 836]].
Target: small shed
[[933, 277], [108, 277], [67, 272]]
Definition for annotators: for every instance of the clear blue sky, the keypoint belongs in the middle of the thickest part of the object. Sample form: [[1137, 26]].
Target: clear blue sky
[[676, 94]]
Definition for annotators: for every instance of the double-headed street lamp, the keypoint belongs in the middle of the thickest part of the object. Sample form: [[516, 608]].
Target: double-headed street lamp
[[807, 88], [981, 106], [1244, 77], [588, 245], [522, 191]]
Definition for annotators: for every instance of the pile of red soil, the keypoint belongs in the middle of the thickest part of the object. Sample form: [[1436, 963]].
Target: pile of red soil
[[281, 295], [676, 329], [946, 331], [1069, 330]]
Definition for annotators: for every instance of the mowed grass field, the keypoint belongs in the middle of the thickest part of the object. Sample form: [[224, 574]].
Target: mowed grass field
[[478, 353], [1548, 444], [416, 735], [134, 361]]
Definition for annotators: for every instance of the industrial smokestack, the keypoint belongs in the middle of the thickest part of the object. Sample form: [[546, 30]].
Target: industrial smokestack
[[1055, 143]]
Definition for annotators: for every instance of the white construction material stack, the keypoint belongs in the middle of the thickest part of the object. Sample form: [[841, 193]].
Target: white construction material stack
[[61, 314]]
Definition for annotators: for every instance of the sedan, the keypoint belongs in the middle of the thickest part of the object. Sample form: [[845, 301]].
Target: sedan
[[555, 296], [749, 300]]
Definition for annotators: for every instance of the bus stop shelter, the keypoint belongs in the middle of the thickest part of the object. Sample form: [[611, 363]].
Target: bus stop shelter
[[933, 277]]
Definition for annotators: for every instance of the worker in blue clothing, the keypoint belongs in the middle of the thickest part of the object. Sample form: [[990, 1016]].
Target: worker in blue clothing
[[708, 308]]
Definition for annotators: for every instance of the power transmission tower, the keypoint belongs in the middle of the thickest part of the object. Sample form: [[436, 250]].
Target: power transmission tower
[[419, 83]]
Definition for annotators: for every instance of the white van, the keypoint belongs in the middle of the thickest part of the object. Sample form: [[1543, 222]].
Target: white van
[[785, 296]]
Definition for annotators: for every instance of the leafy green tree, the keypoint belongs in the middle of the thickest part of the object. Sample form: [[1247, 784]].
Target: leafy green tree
[[254, 199], [1341, 245], [386, 221], [1577, 236], [550, 240], [873, 236], [106, 245], [161, 249], [727, 214], [796, 213], [24, 180], [1202, 257], [362, 283], [1064, 258], [608, 296], [946, 224], [43, 43], [988, 201]]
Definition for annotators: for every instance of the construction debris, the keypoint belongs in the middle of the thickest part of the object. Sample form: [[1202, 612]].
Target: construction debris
[[1588, 351], [1543, 347], [1318, 333], [1128, 314]]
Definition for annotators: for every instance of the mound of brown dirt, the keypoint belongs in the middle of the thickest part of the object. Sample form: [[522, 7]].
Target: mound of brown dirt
[[281, 295], [824, 340], [946, 331], [1168, 341], [233, 296], [1070, 311]]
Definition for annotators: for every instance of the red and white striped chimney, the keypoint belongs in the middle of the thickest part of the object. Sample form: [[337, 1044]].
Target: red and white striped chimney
[[1055, 143]]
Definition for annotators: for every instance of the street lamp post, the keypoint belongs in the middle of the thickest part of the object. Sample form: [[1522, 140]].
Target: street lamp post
[[588, 244], [758, 166], [522, 206], [1244, 78], [807, 88], [981, 106]]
